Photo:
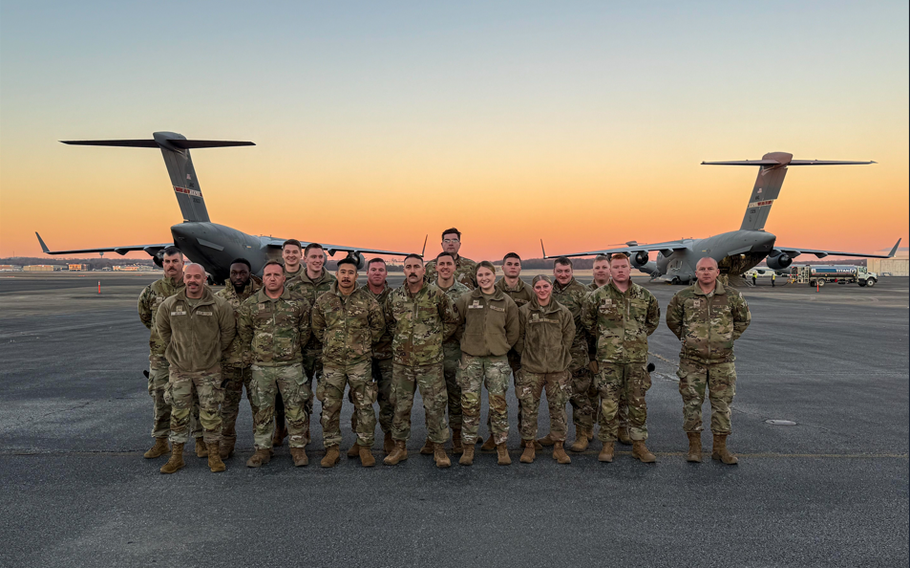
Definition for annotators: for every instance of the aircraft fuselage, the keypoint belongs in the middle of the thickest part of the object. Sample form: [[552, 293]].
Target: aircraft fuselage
[[734, 251], [214, 246]]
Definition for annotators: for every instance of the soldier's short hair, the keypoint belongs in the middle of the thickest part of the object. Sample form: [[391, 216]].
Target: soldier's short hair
[[511, 255], [444, 253], [414, 255], [312, 246], [619, 256], [189, 265], [450, 231], [375, 260], [348, 260], [171, 251], [561, 260], [242, 261], [294, 242], [484, 264], [273, 262], [601, 258]]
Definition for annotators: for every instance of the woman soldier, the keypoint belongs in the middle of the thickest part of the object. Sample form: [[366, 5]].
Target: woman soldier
[[547, 329], [490, 329]]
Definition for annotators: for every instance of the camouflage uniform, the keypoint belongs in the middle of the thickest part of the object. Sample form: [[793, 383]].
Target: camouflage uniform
[[571, 296], [491, 328], [273, 331], [521, 295], [235, 367], [464, 272], [707, 325], [195, 332], [546, 334], [290, 277], [622, 323], [382, 367], [622, 414], [347, 327], [420, 323], [451, 349], [150, 299]]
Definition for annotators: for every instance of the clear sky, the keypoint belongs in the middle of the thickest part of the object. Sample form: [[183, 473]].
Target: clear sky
[[582, 123]]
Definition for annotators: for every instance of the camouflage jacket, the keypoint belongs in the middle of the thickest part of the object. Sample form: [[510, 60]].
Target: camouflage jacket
[[464, 272], [708, 324], [274, 331], [454, 292], [545, 337], [302, 286], [521, 294], [149, 300], [490, 323], [233, 357], [572, 295], [347, 326], [621, 322], [290, 277], [383, 349], [593, 286], [419, 323], [196, 332]]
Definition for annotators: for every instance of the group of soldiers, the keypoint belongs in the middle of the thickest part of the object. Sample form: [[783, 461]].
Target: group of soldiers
[[450, 330]]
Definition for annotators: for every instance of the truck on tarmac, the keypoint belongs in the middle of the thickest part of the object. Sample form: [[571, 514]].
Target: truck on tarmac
[[840, 274]]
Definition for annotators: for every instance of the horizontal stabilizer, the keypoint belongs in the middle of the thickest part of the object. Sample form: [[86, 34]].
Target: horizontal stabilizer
[[788, 163], [176, 142]]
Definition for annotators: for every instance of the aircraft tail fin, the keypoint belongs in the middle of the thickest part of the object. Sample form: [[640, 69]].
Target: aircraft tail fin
[[773, 169], [175, 149]]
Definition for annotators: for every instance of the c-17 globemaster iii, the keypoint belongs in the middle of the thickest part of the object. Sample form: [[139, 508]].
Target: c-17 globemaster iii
[[212, 245], [734, 251]]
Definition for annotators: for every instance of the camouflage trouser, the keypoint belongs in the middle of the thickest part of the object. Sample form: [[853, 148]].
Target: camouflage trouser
[[188, 390], [528, 387], [613, 381], [382, 375], [291, 382], [312, 366], [451, 359], [405, 380], [583, 402], [159, 375], [330, 392], [473, 373], [515, 365], [720, 379], [234, 379]]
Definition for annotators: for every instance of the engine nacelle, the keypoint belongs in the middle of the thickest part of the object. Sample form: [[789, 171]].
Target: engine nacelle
[[158, 259], [779, 262], [639, 259], [361, 262]]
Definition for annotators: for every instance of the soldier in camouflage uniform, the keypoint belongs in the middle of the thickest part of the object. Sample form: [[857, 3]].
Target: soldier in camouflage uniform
[[196, 328], [571, 293], [273, 326], [150, 299], [291, 253], [491, 328], [347, 321], [235, 367], [464, 267], [451, 347], [309, 284], [421, 317], [707, 317], [622, 315], [382, 356], [547, 331]]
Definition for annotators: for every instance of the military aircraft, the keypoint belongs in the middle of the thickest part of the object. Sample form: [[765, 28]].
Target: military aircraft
[[734, 251], [212, 245]]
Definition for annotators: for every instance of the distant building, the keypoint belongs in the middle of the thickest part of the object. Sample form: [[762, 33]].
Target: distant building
[[79, 267], [127, 268], [897, 266], [10, 268], [41, 268]]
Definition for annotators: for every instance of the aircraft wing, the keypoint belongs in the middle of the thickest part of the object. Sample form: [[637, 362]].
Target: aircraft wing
[[152, 250], [790, 251], [667, 248], [332, 249]]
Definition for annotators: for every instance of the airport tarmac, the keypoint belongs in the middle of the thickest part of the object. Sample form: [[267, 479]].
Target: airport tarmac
[[830, 490]]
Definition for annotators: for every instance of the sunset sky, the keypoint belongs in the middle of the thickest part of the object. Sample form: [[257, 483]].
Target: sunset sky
[[582, 123]]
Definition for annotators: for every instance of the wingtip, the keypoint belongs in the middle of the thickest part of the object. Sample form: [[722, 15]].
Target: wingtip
[[44, 248]]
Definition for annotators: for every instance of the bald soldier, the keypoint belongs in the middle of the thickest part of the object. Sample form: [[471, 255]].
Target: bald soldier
[[707, 317], [464, 267]]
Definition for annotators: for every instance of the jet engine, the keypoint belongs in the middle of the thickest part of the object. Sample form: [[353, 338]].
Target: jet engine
[[639, 259], [779, 262], [158, 258], [361, 262]]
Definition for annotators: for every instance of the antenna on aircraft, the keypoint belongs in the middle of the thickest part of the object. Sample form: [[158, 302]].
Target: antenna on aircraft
[[543, 250], [424, 250]]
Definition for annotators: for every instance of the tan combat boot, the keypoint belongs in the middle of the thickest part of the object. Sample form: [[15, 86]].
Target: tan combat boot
[[332, 457], [427, 449], [546, 441], [606, 453], [502, 455], [440, 457], [582, 439], [260, 458], [720, 451], [299, 456], [467, 458], [366, 457], [226, 447], [215, 463], [528, 455], [694, 454], [640, 451], [399, 453], [489, 445], [559, 453], [624, 437], [175, 462], [201, 450], [354, 450], [159, 449], [457, 448], [388, 444]]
